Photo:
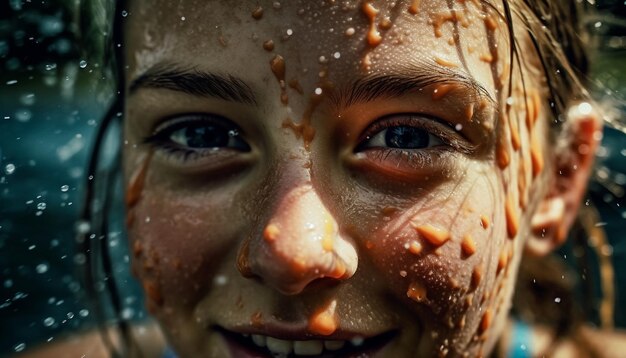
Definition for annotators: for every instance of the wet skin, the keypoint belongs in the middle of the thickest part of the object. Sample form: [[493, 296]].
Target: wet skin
[[321, 193]]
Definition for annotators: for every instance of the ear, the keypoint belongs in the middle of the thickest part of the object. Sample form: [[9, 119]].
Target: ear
[[573, 160]]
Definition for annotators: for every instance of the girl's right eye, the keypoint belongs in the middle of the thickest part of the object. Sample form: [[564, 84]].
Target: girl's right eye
[[198, 134]]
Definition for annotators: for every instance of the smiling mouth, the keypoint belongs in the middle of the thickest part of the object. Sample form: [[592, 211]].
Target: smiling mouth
[[262, 346]]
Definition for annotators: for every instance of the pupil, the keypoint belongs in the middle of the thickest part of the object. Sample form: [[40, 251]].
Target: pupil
[[206, 136], [406, 137]]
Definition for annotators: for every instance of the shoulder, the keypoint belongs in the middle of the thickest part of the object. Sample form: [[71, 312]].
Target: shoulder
[[148, 338]]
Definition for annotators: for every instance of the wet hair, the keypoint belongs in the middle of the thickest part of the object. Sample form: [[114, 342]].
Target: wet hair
[[553, 29]]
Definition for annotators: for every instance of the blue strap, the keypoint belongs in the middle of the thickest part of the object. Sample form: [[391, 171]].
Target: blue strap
[[521, 338]]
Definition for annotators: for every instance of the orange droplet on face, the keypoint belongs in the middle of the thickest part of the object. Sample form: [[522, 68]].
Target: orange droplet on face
[[502, 261], [485, 322], [137, 182], [468, 245], [477, 275], [512, 221], [484, 222], [414, 9], [137, 248], [324, 321], [445, 63], [295, 84], [153, 292], [441, 91], [416, 292], [271, 233], [257, 14], [415, 248], [256, 320], [268, 45], [373, 35], [433, 235]]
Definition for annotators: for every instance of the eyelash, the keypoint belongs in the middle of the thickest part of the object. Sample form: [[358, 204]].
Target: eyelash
[[161, 137]]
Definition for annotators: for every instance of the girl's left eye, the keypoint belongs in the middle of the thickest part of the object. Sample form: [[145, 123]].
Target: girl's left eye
[[403, 133], [401, 137]]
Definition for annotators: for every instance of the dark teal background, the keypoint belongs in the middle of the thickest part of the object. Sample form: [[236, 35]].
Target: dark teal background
[[49, 109]]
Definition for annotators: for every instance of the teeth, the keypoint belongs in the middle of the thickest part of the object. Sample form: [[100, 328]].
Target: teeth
[[334, 345], [308, 348], [259, 340], [279, 346], [357, 341]]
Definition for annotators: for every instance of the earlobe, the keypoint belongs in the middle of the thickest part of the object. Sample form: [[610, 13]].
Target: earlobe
[[573, 160]]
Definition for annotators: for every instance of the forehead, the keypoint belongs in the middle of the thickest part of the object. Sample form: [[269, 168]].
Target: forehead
[[342, 37]]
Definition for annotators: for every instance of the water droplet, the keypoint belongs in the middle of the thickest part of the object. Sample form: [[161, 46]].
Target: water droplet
[[27, 99], [124, 13], [65, 188], [83, 313], [289, 32], [23, 115], [318, 91], [80, 259], [9, 168], [41, 206], [48, 321], [128, 313], [8, 283], [42, 268], [557, 300], [337, 55], [82, 227], [11, 82], [82, 64], [19, 347]]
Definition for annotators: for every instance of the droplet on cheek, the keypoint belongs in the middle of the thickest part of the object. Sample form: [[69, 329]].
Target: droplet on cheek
[[435, 236], [512, 222], [257, 14], [417, 292], [485, 322], [137, 182], [324, 321], [153, 293], [477, 275], [415, 7], [268, 45], [468, 245], [441, 91], [277, 64], [484, 222], [502, 261]]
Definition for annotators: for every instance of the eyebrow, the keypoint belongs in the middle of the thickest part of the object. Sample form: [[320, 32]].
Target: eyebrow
[[194, 82], [404, 81]]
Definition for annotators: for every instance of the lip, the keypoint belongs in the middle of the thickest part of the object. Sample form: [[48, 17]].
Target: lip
[[240, 344]]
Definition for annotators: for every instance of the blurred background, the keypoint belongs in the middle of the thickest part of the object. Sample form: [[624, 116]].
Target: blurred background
[[50, 107]]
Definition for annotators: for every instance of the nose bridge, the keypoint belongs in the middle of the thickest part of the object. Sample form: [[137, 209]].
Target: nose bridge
[[300, 243]]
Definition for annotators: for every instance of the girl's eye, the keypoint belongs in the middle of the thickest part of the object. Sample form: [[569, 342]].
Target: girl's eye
[[402, 133], [208, 135], [402, 137], [198, 133]]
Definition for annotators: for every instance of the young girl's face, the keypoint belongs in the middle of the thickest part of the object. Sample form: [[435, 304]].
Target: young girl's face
[[320, 175]]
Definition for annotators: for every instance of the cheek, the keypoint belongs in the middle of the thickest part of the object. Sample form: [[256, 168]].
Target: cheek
[[442, 259], [176, 242]]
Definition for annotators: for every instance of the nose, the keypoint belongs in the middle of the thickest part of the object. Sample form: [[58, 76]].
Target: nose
[[301, 243]]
